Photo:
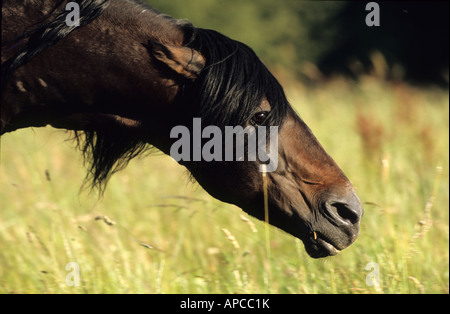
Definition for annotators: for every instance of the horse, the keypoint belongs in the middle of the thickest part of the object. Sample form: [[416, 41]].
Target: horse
[[121, 75]]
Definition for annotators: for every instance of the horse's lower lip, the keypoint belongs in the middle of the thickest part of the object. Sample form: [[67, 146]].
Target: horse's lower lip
[[330, 248], [319, 247]]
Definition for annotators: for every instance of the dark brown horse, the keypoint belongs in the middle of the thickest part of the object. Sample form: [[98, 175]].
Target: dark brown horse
[[126, 75]]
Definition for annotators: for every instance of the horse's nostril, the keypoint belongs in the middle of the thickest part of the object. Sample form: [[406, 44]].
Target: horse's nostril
[[345, 212]]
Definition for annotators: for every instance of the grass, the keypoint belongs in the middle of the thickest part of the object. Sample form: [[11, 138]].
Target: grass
[[154, 232]]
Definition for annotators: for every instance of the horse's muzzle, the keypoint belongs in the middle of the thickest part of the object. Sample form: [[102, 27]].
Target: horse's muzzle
[[337, 227]]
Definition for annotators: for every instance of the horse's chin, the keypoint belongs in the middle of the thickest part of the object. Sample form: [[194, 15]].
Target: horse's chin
[[319, 248], [316, 245], [320, 240]]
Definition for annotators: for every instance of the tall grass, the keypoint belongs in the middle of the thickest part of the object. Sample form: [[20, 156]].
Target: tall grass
[[154, 232]]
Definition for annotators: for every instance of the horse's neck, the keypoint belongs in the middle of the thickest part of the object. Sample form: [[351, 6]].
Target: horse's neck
[[100, 72], [144, 21]]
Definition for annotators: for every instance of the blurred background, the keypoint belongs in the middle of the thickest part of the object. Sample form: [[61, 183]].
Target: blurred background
[[293, 36], [377, 98]]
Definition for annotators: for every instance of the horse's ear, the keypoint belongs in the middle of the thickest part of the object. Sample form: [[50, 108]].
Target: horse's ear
[[183, 60]]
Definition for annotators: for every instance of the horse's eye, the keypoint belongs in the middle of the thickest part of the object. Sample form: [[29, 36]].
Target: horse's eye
[[260, 117]]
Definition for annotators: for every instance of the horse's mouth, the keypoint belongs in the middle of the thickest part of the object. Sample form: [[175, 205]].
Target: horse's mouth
[[317, 246]]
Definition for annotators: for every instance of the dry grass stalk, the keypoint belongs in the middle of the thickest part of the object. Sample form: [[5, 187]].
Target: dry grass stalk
[[106, 220], [231, 238], [425, 224], [249, 223]]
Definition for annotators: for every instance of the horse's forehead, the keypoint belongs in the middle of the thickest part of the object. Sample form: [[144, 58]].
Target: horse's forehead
[[265, 105]]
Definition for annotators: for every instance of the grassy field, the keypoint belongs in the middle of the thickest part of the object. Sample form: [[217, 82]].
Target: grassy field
[[155, 232]]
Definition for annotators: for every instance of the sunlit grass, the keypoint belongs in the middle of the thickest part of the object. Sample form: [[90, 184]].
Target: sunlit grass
[[163, 234]]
